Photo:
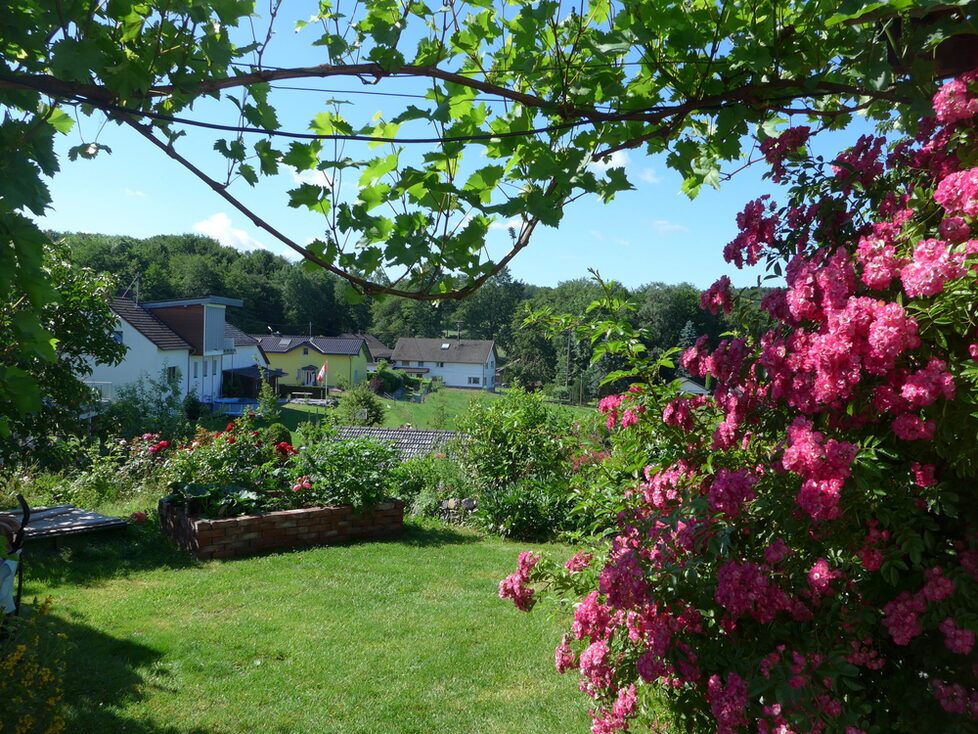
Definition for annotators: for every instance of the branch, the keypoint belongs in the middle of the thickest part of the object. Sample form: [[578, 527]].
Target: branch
[[365, 286]]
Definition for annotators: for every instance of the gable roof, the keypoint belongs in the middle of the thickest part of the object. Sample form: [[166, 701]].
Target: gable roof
[[409, 442], [378, 350], [148, 324], [467, 351], [340, 346], [240, 338]]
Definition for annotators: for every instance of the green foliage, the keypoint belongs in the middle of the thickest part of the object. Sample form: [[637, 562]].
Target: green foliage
[[215, 500], [277, 433], [515, 437], [231, 458], [82, 324], [359, 472], [359, 406], [148, 405], [268, 405], [423, 482], [529, 510], [390, 380]]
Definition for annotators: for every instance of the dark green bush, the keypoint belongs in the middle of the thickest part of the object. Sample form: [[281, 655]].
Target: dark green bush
[[277, 433], [360, 407], [358, 472], [530, 510], [424, 482], [516, 437]]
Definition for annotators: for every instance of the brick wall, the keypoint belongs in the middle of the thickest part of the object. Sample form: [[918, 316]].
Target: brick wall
[[248, 534]]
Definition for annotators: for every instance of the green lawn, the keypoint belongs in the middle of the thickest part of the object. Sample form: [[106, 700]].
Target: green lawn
[[439, 410], [405, 635]]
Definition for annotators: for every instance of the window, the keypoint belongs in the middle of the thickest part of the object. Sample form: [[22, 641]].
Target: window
[[205, 368], [405, 363], [440, 364], [309, 378], [171, 373], [475, 381], [196, 369], [305, 350], [420, 363]]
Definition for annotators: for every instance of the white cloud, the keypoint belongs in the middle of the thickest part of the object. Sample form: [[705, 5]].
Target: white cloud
[[514, 222], [132, 192], [219, 227], [316, 178], [663, 226], [596, 235], [650, 176], [618, 159], [623, 243]]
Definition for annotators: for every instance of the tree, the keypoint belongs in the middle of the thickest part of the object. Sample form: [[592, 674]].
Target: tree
[[666, 309], [574, 86], [82, 327], [488, 313]]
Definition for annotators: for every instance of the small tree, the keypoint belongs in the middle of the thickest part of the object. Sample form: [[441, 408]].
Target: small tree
[[360, 407], [268, 404], [148, 405]]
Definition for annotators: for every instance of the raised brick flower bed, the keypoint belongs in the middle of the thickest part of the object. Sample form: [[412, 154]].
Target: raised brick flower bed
[[248, 534]]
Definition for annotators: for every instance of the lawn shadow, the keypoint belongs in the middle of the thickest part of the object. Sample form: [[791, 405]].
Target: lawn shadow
[[103, 674], [86, 558], [432, 535]]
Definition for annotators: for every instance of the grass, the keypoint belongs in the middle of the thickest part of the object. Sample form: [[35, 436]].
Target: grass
[[439, 410], [403, 635]]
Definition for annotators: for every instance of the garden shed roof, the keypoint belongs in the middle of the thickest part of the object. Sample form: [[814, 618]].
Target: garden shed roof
[[148, 324], [466, 351], [409, 442]]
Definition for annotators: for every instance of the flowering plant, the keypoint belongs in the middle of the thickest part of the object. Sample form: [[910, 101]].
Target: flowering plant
[[800, 553]]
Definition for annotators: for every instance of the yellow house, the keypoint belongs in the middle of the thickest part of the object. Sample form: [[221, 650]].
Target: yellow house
[[302, 357]]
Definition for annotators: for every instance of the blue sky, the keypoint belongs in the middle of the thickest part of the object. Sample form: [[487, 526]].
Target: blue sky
[[654, 233]]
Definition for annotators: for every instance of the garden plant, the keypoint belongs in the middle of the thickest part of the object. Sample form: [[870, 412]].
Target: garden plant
[[799, 550]]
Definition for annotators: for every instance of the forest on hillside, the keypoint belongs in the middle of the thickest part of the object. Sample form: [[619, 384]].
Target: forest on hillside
[[293, 298]]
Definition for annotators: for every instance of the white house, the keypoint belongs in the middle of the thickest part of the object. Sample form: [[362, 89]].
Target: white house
[[458, 362], [184, 337]]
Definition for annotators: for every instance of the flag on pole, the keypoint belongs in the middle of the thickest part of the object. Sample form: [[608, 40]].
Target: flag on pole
[[321, 377]]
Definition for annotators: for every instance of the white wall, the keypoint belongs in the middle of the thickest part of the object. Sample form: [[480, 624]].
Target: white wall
[[455, 374], [244, 356], [143, 358], [209, 387], [213, 329]]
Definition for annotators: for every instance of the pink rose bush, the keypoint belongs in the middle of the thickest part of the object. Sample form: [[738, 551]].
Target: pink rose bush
[[798, 551]]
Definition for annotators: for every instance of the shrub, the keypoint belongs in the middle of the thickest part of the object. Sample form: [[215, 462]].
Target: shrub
[[277, 433], [358, 472], [531, 510], [800, 550], [235, 457], [268, 405], [515, 437], [360, 407], [423, 482], [147, 405]]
